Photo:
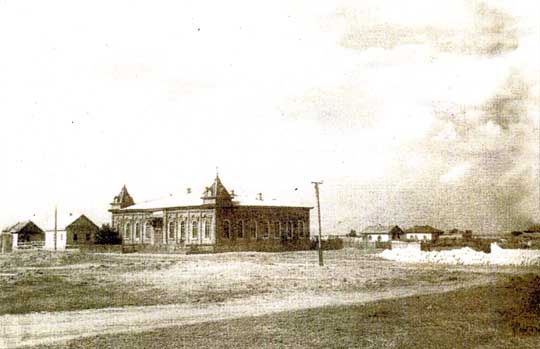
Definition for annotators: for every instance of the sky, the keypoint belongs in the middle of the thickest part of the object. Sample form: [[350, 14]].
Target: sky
[[415, 112]]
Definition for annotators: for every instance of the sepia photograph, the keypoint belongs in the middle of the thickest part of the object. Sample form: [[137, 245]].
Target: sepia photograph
[[270, 174]]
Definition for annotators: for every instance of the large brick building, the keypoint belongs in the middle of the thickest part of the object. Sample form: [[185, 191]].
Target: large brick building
[[215, 220]]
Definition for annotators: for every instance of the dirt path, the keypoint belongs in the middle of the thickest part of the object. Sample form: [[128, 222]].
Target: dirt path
[[43, 328]]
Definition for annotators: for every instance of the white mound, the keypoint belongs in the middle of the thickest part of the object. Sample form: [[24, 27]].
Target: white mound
[[465, 256]]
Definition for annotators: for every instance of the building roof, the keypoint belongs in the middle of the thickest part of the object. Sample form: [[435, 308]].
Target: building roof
[[64, 219], [192, 199], [82, 218], [423, 229], [17, 227], [379, 229], [215, 193]]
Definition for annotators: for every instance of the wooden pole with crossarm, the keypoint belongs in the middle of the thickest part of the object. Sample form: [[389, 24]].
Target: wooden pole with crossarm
[[319, 216]]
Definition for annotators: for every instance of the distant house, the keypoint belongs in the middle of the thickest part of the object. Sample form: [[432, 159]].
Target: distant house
[[71, 232], [381, 233], [456, 234], [422, 232], [25, 234], [533, 229], [81, 231]]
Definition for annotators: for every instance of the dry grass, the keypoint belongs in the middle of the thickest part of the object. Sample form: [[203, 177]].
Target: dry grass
[[479, 317], [43, 281]]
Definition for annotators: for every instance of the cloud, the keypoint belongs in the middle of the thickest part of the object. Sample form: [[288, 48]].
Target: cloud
[[488, 32]]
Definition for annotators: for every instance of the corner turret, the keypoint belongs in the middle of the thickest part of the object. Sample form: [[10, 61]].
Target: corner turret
[[217, 194], [122, 200]]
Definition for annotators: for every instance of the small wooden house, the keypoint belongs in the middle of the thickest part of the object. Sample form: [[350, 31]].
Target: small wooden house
[[422, 232], [81, 231], [25, 234], [381, 233], [71, 232]]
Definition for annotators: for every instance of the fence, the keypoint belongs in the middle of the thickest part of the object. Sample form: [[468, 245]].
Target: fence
[[30, 245], [358, 242]]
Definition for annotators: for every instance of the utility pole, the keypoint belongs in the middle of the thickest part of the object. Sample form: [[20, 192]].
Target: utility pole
[[319, 216], [55, 225]]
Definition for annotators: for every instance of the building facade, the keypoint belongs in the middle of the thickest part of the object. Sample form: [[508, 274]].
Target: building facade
[[422, 232], [214, 220], [381, 233]]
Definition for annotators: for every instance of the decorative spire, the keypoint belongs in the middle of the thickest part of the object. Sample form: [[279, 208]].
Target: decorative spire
[[216, 193], [123, 199]]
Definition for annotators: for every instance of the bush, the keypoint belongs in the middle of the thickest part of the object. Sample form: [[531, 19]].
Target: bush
[[483, 245], [107, 236], [330, 244]]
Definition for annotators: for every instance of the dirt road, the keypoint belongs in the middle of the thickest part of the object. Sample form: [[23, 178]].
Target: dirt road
[[43, 328]]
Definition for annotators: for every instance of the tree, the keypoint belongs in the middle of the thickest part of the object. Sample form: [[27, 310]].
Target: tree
[[352, 233], [107, 236]]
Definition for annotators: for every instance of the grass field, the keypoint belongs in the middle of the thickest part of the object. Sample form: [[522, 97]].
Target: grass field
[[478, 317], [36, 282]]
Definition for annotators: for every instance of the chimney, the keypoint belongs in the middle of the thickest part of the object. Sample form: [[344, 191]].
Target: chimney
[[259, 197], [232, 193]]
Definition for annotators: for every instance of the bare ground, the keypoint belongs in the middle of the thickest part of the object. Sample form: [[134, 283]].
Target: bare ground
[[199, 288]]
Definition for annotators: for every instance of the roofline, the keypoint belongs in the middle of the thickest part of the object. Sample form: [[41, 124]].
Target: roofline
[[81, 216], [207, 206]]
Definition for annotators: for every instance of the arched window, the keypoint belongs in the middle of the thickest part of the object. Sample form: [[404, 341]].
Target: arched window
[[266, 230], [207, 229], [277, 230], [290, 230], [172, 226], [195, 229], [226, 229], [137, 231], [240, 229], [148, 230], [127, 231], [379, 238], [253, 230], [182, 230]]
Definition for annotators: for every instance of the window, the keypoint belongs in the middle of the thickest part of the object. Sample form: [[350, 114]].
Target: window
[[87, 236], [195, 229], [253, 230], [240, 227], [127, 231], [183, 230], [207, 229], [277, 230], [172, 226], [266, 230], [226, 229], [301, 228], [369, 238], [379, 238], [290, 230], [137, 231], [148, 230], [74, 236], [425, 237]]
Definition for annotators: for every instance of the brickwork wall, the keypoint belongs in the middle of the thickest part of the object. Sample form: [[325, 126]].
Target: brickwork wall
[[245, 227]]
